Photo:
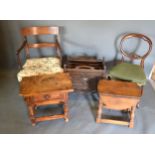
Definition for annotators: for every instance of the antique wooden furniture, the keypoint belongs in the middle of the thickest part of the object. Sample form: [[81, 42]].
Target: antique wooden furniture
[[85, 72], [132, 56], [34, 31], [44, 65], [46, 90], [118, 95]]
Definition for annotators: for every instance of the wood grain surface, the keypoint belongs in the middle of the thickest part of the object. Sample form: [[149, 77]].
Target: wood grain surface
[[45, 83], [119, 88]]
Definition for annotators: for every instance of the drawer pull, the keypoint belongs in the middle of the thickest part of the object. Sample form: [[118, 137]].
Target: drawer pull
[[84, 67], [46, 97], [103, 104]]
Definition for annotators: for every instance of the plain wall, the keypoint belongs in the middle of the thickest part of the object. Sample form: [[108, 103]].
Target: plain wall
[[98, 38]]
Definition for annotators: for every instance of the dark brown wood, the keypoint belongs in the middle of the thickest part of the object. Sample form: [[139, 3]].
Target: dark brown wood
[[85, 72], [118, 95], [46, 90], [44, 30], [18, 53], [133, 56]]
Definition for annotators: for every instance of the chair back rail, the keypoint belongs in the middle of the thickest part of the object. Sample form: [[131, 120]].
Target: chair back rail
[[133, 56], [42, 30]]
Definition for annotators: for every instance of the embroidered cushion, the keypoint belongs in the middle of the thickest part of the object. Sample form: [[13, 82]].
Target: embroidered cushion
[[38, 66], [40, 62]]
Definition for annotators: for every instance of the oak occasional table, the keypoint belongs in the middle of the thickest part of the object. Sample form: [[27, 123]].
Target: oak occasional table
[[118, 95], [46, 90]]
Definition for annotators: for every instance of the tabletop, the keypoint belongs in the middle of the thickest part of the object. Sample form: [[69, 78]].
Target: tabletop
[[45, 83], [115, 87]]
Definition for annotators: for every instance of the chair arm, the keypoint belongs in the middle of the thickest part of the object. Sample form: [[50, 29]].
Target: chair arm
[[18, 52], [21, 47], [59, 51]]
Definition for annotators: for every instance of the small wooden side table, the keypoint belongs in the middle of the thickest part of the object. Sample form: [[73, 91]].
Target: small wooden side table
[[118, 95], [46, 90]]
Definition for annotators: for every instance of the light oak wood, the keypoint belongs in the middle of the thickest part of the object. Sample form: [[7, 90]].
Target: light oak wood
[[119, 88], [37, 30], [119, 102], [118, 95], [42, 45], [47, 102], [48, 118], [113, 122], [46, 90]]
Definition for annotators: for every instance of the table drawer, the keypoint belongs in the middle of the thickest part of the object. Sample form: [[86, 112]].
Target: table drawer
[[47, 97]]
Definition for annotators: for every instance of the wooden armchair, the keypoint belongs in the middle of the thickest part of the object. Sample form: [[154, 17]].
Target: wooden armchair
[[29, 31], [38, 66]]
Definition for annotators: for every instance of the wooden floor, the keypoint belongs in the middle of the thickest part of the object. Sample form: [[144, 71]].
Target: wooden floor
[[14, 118]]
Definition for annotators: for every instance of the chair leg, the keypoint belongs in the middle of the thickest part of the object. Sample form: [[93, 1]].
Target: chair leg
[[99, 112], [132, 115], [66, 108], [31, 114], [138, 104]]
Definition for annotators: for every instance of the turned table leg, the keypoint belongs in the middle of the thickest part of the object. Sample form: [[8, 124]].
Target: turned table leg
[[31, 114], [66, 108], [99, 112], [31, 109], [132, 115]]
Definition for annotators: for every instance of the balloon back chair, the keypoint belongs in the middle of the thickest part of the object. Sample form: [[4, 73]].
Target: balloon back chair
[[134, 56], [125, 87]]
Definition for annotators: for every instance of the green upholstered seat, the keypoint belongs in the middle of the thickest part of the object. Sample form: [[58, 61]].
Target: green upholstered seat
[[129, 72]]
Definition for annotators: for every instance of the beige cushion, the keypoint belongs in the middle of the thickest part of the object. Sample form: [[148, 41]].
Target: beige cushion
[[42, 62], [38, 66]]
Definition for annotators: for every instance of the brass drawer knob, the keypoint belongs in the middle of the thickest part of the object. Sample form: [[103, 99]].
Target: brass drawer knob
[[46, 97]]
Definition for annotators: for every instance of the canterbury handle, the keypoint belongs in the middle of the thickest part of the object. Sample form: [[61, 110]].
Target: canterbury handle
[[84, 67]]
